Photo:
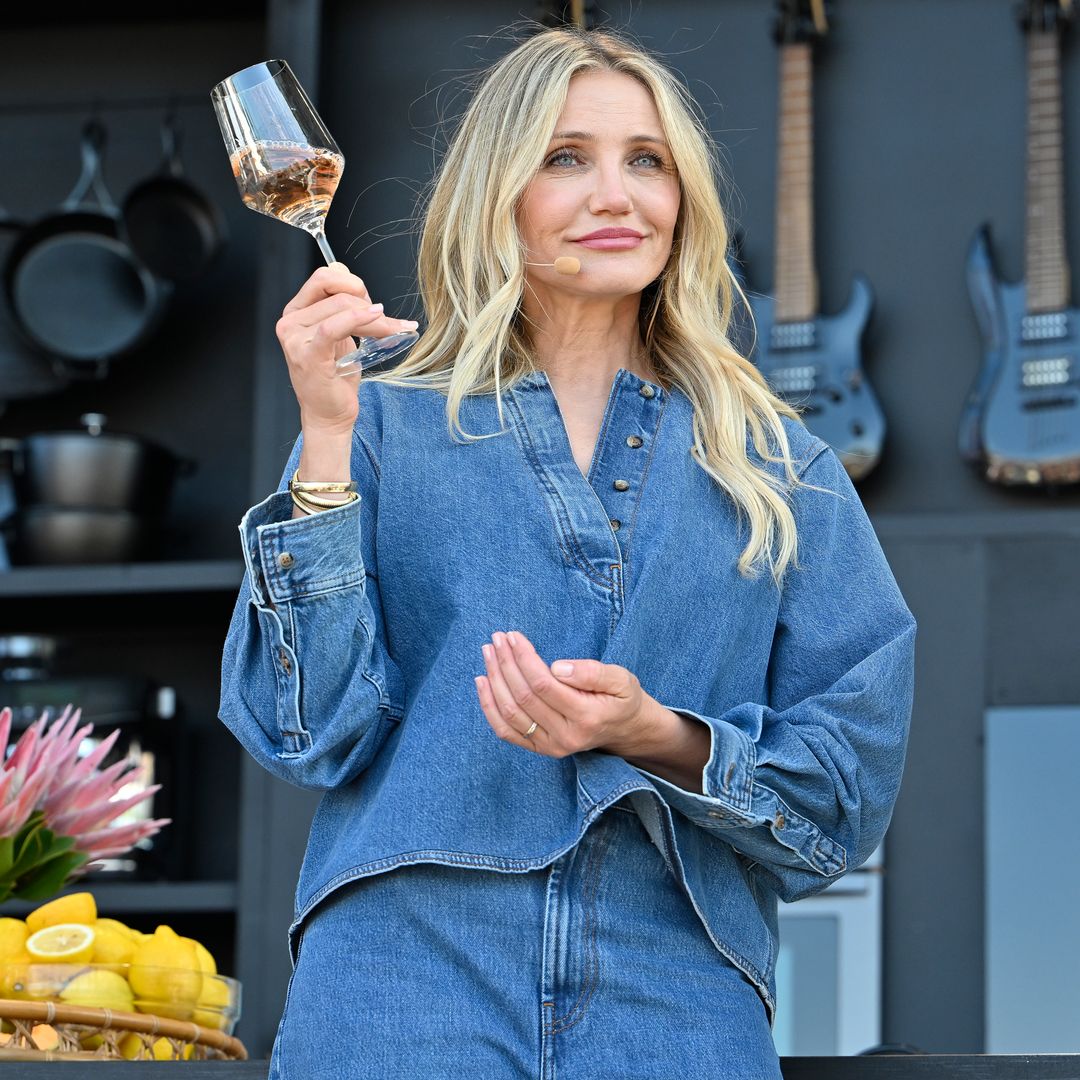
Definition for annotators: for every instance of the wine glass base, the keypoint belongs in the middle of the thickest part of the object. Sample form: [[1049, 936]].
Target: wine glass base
[[373, 351]]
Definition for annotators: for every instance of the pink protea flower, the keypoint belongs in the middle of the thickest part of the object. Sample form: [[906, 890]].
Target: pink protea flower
[[57, 809]]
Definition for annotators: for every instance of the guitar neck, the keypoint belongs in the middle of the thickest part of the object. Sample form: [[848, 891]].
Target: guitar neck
[[1046, 267], [795, 285]]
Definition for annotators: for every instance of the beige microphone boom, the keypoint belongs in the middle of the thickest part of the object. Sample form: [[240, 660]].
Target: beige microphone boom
[[564, 264]]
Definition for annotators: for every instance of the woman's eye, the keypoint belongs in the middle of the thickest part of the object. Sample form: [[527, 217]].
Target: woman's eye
[[564, 154], [654, 158]]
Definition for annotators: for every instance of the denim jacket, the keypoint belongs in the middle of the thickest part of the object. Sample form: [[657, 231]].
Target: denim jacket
[[350, 658]]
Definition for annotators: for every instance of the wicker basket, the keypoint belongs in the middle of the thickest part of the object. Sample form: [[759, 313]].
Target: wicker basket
[[84, 1033]]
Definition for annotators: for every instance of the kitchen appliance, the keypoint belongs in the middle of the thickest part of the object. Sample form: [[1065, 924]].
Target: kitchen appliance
[[1032, 880], [143, 712], [829, 971]]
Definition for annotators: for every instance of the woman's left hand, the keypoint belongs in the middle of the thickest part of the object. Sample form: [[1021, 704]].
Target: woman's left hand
[[596, 707]]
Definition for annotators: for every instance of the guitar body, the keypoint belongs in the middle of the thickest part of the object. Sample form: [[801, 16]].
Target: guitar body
[[816, 367], [1021, 420]]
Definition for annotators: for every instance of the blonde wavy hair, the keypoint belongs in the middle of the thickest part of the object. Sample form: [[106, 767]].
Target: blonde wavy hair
[[471, 273]]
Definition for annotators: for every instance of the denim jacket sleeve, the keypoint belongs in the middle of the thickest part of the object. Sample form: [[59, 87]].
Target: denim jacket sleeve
[[307, 684], [805, 787]]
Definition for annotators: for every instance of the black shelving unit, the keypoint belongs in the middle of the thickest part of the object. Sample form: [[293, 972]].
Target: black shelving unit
[[149, 897], [157, 579]]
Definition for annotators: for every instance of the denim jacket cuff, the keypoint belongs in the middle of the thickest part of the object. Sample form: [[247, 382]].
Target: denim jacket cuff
[[289, 558], [731, 800]]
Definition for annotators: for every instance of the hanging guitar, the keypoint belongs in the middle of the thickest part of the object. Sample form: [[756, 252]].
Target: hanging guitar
[[579, 13], [812, 361], [1021, 421]]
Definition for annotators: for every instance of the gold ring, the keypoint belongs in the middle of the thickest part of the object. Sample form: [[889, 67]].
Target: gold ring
[[532, 728]]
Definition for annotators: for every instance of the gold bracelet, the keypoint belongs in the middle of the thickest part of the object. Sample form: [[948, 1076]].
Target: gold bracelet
[[296, 500], [312, 503], [339, 486]]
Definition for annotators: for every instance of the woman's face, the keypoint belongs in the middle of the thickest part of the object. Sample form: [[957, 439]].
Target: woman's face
[[607, 166]]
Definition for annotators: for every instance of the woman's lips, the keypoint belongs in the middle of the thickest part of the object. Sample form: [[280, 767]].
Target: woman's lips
[[611, 243]]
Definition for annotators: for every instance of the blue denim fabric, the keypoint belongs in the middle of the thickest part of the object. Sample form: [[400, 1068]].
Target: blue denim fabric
[[349, 665], [594, 967]]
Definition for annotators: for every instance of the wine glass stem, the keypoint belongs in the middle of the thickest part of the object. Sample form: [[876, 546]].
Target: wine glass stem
[[324, 247]]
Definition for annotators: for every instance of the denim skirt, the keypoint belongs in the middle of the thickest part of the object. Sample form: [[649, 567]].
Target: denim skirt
[[595, 966]]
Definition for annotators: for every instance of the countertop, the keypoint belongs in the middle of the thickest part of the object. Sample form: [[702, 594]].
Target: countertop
[[885, 1067]]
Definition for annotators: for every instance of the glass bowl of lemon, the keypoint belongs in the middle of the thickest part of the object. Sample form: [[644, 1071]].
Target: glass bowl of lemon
[[64, 952]]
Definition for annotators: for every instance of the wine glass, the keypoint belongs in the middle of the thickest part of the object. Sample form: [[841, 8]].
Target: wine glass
[[288, 166]]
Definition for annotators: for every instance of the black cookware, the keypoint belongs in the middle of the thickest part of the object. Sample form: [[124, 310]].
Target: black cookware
[[62, 536], [23, 372], [76, 289], [171, 225], [93, 469]]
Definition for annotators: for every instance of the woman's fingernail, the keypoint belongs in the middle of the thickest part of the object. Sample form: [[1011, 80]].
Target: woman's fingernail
[[375, 307], [410, 322]]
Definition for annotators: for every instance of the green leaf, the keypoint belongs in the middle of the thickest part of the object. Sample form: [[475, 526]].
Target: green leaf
[[47, 879], [34, 846], [7, 854]]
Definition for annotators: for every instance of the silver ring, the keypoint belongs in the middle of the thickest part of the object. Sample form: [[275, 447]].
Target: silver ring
[[532, 728]]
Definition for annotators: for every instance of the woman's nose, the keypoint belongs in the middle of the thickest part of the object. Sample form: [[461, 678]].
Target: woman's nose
[[610, 191]]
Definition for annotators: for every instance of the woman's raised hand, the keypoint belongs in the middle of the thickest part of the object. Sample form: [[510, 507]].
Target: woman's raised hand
[[315, 330]]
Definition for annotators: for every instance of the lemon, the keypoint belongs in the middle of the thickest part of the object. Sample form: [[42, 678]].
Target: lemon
[[100, 990], [165, 975], [121, 928], [13, 935], [214, 1002], [207, 964], [131, 1046], [14, 976], [163, 1050], [76, 907], [67, 943], [111, 946]]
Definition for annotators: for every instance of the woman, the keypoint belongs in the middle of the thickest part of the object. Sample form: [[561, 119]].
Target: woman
[[569, 868]]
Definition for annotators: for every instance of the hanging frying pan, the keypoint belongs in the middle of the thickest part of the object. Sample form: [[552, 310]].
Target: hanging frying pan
[[23, 373], [171, 225], [75, 288]]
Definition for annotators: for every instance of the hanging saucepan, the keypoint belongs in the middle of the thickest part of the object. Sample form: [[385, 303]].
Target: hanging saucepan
[[76, 289], [23, 373], [171, 225]]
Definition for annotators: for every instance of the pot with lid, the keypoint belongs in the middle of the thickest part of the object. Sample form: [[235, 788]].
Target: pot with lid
[[88, 496]]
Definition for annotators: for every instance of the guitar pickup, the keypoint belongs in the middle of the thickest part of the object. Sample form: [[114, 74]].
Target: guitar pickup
[[1050, 371]]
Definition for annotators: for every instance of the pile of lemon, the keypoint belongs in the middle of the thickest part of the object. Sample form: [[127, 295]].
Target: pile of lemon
[[161, 973]]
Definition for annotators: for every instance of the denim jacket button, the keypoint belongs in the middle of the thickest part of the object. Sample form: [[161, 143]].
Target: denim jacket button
[[285, 560], [779, 821], [647, 392], [615, 523], [634, 441], [621, 485]]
